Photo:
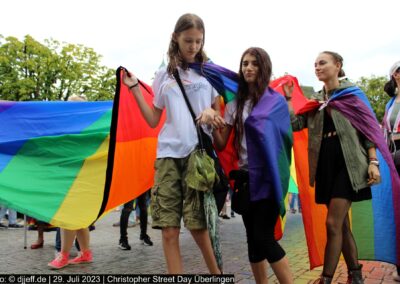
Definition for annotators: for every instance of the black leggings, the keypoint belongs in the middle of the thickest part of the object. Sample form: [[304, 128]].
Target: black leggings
[[260, 224], [124, 219]]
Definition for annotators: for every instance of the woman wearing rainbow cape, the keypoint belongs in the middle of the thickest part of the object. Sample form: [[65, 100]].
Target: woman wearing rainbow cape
[[259, 118], [343, 162]]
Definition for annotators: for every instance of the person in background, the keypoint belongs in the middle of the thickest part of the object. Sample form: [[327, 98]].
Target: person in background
[[126, 211], [40, 226], [68, 236], [12, 218], [254, 77], [391, 121], [223, 214], [343, 164], [294, 197], [171, 198]]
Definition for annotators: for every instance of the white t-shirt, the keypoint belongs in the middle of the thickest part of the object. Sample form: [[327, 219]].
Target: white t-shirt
[[229, 116], [178, 136]]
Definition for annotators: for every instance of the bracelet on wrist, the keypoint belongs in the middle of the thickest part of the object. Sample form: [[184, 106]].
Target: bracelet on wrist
[[374, 162], [373, 159], [134, 85]]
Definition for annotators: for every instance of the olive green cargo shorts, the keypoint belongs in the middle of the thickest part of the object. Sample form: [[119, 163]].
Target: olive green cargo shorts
[[171, 199]]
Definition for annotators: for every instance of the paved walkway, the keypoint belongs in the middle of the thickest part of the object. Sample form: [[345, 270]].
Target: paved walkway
[[108, 259]]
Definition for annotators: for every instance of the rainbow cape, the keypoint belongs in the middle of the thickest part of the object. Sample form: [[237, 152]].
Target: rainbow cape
[[375, 223], [62, 163], [269, 139]]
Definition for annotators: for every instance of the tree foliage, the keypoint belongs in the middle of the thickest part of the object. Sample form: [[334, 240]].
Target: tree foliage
[[373, 88], [30, 70]]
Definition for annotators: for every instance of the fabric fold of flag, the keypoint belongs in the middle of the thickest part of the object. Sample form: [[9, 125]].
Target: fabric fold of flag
[[130, 169]]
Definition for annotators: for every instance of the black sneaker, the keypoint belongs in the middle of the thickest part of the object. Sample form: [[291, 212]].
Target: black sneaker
[[124, 245], [233, 215], [146, 240], [2, 226], [224, 216], [15, 226]]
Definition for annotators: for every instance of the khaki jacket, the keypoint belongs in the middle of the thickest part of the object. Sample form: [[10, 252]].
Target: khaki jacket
[[354, 144]]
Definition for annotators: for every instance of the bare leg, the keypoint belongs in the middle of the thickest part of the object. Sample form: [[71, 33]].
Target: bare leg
[[40, 240], [170, 239], [67, 239], [260, 271], [83, 236], [282, 271], [204, 243], [40, 230], [337, 211]]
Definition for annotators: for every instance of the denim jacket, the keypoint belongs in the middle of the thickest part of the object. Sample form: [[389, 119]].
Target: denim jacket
[[354, 145]]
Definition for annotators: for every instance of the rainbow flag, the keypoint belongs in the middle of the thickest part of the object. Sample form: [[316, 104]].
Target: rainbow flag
[[62, 163], [269, 138], [375, 223], [49, 151]]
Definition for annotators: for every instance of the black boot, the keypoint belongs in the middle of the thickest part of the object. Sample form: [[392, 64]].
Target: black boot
[[323, 280], [355, 276]]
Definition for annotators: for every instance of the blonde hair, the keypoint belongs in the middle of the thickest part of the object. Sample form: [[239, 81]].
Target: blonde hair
[[76, 98]]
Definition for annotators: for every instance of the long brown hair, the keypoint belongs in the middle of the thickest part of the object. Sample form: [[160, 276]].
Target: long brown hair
[[253, 94], [391, 87], [185, 22]]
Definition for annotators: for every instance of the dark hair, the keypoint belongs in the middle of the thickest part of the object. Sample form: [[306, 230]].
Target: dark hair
[[390, 87], [244, 93], [337, 58], [185, 22]]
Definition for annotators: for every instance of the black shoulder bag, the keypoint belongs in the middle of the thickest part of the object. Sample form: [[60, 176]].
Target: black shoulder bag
[[221, 188]]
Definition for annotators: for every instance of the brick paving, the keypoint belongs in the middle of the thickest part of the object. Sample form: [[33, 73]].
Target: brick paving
[[109, 259]]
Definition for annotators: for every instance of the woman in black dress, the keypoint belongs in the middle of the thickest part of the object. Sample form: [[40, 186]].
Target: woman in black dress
[[342, 164]]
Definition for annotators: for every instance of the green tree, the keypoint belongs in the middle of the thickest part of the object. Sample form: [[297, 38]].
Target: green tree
[[373, 88], [30, 70]]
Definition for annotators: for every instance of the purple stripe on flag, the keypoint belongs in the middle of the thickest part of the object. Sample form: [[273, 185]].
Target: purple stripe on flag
[[4, 105]]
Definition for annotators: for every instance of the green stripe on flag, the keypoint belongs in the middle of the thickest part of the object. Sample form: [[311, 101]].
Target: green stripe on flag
[[363, 229], [229, 96]]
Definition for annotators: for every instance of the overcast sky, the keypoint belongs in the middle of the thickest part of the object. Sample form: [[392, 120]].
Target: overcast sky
[[136, 34]]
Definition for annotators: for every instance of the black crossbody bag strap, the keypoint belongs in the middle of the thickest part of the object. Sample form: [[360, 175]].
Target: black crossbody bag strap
[[179, 81], [221, 189]]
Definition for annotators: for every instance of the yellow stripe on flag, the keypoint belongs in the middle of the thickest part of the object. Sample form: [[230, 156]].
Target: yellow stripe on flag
[[83, 201]]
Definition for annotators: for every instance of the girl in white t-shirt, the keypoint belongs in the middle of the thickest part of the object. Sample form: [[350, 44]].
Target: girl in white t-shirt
[[260, 219], [171, 198]]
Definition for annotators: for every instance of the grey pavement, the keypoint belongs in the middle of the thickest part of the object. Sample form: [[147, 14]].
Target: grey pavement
[[109, 259]]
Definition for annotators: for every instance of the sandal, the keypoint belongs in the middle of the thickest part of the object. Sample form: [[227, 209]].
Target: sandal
[[37, 245]]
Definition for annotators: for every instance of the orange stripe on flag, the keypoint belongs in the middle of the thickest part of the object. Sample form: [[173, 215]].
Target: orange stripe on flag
[[132, 176]]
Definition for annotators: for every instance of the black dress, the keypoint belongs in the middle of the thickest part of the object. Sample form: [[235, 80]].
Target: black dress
[[332, 179]]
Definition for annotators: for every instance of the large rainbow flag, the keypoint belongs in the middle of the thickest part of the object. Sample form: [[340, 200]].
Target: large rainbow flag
[[67, 164], [375, 223]]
